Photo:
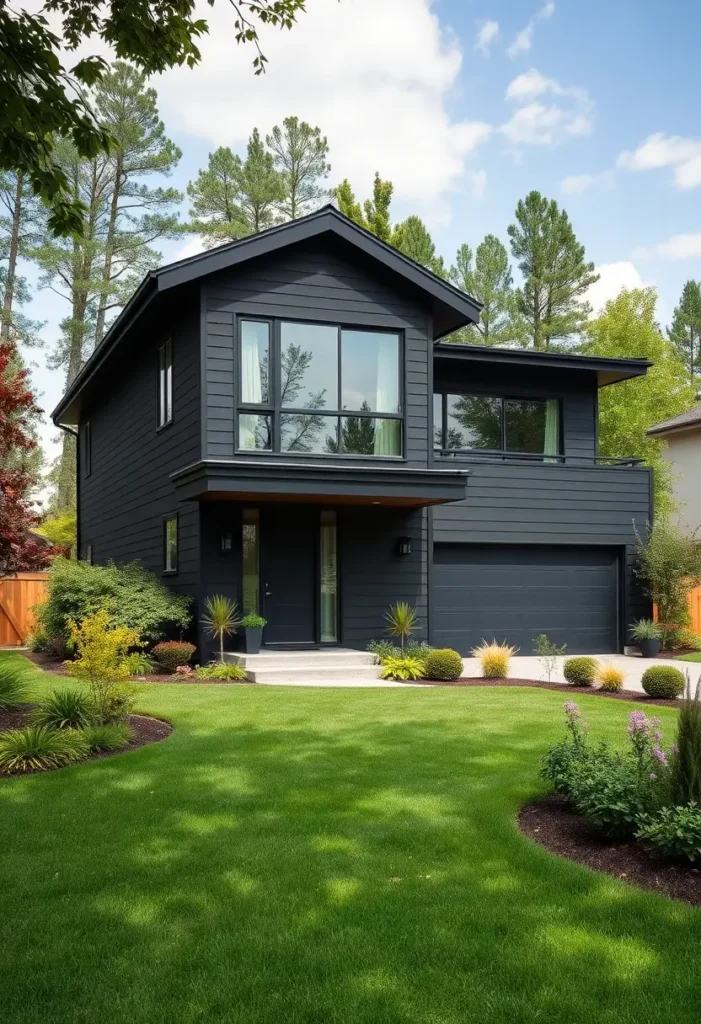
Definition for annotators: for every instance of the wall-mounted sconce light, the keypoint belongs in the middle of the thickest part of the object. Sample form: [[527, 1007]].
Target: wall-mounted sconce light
[[226, 541], [404, 545]]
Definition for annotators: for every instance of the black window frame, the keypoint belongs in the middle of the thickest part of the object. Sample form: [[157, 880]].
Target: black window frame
[[275, 410], [164, 393], [170, 518], [87, 449], [503, 450], [88, 554]]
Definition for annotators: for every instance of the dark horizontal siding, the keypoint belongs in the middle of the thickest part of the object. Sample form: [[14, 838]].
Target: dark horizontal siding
[[311, 282]]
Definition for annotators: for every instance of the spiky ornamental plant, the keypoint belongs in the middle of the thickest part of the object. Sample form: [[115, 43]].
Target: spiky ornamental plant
[[686, 772], [220, 619], [401, 621]]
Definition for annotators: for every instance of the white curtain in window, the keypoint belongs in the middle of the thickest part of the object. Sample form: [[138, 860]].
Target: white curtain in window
[[552, 429], [387, 395], [251, 391]]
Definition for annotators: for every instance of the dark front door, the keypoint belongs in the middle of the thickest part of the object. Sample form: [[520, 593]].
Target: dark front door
[[289, 540]]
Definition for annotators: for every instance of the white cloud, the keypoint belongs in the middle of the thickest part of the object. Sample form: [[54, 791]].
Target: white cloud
[[539, 123], [662, 150], [524, 40], [678, 247], [380, 96], [192, 248], [576, 184], [613, 277], [479, 184], [486, 36]]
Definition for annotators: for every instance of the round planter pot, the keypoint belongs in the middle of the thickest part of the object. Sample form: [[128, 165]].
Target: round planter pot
[[649, 648], [252, 639]]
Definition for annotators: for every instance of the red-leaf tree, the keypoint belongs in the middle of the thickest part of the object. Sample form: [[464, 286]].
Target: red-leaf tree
[[19, 550]]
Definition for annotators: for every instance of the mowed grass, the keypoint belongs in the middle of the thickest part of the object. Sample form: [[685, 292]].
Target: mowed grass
[[694, 656], [312, 856]]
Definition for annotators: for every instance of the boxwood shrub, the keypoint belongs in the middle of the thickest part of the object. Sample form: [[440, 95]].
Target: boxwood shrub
[[663, 681], [171, 654], [443, 663], [582, 671]]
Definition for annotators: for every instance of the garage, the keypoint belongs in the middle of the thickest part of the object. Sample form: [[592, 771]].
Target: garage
[[514, 593]]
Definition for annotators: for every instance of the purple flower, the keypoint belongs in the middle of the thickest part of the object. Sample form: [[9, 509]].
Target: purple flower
[[659, 754], [638, 722], [571, 709]]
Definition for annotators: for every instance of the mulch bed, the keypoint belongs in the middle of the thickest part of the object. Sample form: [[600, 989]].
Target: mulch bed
[[146, 730], [552, 823], [48, 663], [587, 691]]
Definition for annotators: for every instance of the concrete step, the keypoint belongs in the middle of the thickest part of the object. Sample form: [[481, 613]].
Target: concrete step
[[268, 661], [302, 674]]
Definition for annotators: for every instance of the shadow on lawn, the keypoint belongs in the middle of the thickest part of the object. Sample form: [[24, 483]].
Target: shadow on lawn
[[318, 873]]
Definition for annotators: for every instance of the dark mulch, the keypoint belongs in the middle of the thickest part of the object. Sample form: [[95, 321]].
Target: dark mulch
[[552, 823], [146, 730], [48, 663], [588, 691]]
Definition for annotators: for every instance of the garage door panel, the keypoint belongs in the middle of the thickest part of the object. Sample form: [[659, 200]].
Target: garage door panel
[[514, 593]]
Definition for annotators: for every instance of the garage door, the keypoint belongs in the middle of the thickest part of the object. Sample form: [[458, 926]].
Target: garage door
[[515, 593]]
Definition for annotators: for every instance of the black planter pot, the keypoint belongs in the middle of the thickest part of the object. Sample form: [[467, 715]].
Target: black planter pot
[[649, 648], [252, 637]]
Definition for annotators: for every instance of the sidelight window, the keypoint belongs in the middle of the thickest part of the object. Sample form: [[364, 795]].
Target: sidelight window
[[329, 578], [250, 544]]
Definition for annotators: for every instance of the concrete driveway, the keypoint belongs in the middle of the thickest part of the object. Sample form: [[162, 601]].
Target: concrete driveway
[[529, 667]]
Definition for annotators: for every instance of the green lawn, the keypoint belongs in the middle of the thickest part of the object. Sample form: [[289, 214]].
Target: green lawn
[[695, 656], [310, 856]]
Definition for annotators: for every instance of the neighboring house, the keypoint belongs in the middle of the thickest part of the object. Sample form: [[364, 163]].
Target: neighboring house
[[276, 420], [683, 453]]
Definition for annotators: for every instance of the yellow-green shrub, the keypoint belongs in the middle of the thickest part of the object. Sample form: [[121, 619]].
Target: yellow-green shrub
[[611, 678], [443, 663], [581, 671], [494, 658], [402, 667], [102, 649]]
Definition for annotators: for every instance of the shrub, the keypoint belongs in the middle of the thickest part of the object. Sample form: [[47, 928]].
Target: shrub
[[645, 629], [172, 653], [402, 667], [548, 653], [669, 565], [581, 671], [611, 679], [494, 658], [401, 621], [443, 664], [418, 649], [689, 640], [382, 649], [686, 765], [65, 709], [222, 670], [138, 664], [12, 687], [663, 681], [184, 670], [118, 703], [676, 830], [607, 792], [220, 619], [253, 622], [136, 598], [110, 736], [560, 759], [37, 642], [38, 748], [102, 649]]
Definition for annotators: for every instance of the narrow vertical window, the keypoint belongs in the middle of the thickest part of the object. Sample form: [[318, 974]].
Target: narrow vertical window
[[88, 553], [329, 578], [165, 383], [170, 544], [87, 449], [250, 548]]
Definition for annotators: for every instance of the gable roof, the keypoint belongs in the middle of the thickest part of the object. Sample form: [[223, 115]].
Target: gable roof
[[451, 307], [686, 420]]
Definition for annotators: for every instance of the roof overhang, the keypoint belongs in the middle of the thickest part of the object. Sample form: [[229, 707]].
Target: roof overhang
[[668, 431], [606, 370], [252, 479]]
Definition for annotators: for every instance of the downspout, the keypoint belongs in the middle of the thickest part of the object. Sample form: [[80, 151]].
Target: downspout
[[76, 435]]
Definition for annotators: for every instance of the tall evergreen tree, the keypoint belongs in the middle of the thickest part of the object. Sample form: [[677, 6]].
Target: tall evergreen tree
[[22, 223], [685, 331], [486, 276], [373, 214], [413, 239], [216, 213], [556, 275], [261, 187], [300, 156]]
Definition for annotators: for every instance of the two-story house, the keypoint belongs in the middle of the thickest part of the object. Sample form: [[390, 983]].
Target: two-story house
[[277, 420]]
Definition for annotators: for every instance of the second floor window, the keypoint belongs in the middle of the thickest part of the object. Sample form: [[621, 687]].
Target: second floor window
[[87, 449], [165, 383], [526, 426], [319, 389]]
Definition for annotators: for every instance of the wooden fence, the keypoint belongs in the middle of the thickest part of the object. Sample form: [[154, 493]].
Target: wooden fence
[[695, 609], [18, 595]]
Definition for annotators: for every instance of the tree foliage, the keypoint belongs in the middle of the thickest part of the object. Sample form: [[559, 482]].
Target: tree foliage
[[487, 277], [412, 238], [373, 214], [627, 328], [556, 274], [43, 100], [300, 155], [685, 329], [669, 565]]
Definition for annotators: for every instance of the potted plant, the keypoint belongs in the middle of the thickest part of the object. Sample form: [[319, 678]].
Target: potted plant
[[648, 636], [252, 633]]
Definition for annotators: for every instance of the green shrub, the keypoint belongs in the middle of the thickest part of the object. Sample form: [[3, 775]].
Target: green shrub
[[65, 709], [676, 830], [138, 664], [669, 564], [402, 668], [136, 598], [253, 622], [418, 649], [13, 687], [173, 653], [607, 791], [663, 681], [37, 642], [686, 765], [581, 671], [117, 704], [112, 736], [222, 670], [560, 759], [443, 664], [382, 649], [38, 748]]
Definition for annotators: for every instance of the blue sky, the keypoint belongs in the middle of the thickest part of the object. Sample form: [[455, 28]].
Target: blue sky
[[466, 105]]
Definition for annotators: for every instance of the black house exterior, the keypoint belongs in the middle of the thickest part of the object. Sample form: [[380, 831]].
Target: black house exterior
[[277, 420]]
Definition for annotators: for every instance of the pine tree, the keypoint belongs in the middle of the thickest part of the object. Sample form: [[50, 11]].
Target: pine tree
[[300, 156], [556, 276], [412, 238], [373, 215], [489, 280], [22, 223], [216, 212], [260, 187], [685, 331]]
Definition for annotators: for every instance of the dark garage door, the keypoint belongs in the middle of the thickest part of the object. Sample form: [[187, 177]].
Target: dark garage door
[[515, 593]]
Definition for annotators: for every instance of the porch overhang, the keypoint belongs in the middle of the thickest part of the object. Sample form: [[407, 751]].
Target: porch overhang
[[261, 480]]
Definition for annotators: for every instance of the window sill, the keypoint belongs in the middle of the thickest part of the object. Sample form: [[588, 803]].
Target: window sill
[[257, 453], [164, 426], [169, 572]]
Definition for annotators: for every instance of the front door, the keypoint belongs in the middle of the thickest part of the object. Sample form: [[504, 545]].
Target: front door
[[289, 537]]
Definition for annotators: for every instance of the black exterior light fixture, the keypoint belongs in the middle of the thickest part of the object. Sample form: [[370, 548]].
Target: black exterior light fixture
[[404, 546], [226, 541]]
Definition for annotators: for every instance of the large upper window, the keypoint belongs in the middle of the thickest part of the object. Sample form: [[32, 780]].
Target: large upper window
[[527, 426], [319, 389]]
